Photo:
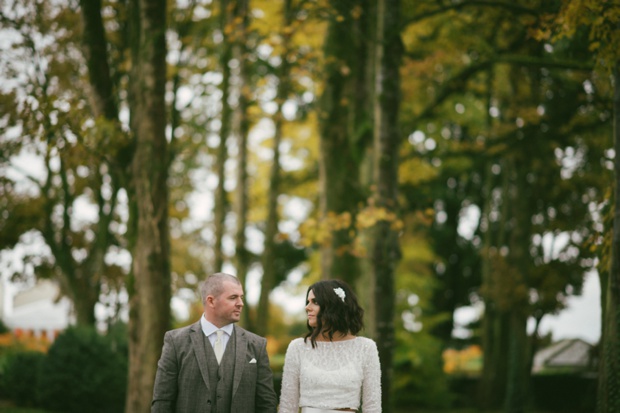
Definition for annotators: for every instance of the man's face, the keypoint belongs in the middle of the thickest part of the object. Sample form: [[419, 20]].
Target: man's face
[[226, 308]]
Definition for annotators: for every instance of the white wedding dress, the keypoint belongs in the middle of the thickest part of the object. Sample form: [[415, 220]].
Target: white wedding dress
[[334, 375]]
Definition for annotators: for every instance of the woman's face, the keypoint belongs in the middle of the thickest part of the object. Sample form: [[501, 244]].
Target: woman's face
[[312, 309]]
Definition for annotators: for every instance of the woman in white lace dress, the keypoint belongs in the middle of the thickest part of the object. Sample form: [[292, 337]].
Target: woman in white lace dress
[[331, 369]]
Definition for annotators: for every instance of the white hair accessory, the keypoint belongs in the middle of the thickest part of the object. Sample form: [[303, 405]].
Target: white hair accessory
[[340, 293]]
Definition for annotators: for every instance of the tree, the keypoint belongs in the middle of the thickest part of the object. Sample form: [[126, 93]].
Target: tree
[[242, 258], [600, 20], [387, 140], [150, 285], [345, 134], [221, 196], [76, 166], [520, 183], [268, 261]]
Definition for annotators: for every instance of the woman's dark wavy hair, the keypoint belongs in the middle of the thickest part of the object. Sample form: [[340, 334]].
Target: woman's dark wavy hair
[[334, 316]]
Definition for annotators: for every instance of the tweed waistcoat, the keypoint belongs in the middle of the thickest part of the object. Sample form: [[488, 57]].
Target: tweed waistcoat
[[221, 378]]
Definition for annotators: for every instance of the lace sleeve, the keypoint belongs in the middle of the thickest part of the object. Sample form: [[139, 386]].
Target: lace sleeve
[[289, 395], [371, 385]]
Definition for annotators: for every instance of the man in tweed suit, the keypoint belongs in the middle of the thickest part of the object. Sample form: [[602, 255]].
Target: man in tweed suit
[[203, 370]]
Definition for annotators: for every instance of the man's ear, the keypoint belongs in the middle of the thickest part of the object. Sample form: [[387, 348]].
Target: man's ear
[[210, 301]]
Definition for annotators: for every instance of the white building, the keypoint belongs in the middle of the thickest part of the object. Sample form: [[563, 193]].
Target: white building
[[35, 311], [568, 355]]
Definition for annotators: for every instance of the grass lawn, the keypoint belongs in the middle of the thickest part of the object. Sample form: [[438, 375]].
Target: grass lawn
[[6, 407]]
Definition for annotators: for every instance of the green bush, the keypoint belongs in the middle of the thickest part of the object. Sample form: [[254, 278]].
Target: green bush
[[84, 368], [419, 380], [3, 327], [20, 378]]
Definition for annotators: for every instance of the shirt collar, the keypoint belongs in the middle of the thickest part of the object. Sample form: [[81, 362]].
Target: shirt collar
[[209, 328]]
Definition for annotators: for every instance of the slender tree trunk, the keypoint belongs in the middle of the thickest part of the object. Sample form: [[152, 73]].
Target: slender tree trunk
[[516, 390], [86, 289], [81, 281], [271, 227], [81, 286], [221, 196], [150, 292], [609, 371], [96, 55], [242, 255], [387, 140], [517, 376], [495, 331], [495, 324]]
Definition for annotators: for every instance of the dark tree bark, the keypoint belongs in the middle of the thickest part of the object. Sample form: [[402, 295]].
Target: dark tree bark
[[608, 400], [387, 140], [345, 134], [495, 324], [96, 54], [518, 345], [221, 195], [150, 290], [271, 226], [242, 258]]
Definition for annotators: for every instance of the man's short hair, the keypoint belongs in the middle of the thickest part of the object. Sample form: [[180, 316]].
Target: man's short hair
[[214, 284]]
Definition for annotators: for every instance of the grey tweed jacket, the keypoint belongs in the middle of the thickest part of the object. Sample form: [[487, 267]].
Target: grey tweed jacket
[[182, 379]]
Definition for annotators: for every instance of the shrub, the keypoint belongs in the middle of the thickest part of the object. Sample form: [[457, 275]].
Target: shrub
[[4, 328], [84, 368], [20, 377], [419, 380], [17, 368]]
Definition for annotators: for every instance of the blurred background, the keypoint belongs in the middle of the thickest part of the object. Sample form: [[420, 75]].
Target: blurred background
[[453, 161]]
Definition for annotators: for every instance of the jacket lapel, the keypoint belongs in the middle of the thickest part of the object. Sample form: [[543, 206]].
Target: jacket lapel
[[198, 345], [241, 344]]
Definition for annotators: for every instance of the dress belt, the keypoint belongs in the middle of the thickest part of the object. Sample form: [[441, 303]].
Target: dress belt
[[315, 410]]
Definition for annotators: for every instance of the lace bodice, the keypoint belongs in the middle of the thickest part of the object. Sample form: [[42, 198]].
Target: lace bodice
[[334, 375]]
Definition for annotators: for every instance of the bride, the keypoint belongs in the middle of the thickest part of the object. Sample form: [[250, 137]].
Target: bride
[[331, 369]]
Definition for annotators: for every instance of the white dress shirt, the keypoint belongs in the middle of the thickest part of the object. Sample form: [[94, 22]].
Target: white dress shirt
[[209, 331]]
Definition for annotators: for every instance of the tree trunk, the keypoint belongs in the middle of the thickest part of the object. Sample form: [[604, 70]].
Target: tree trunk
[[609, 371], [86, 289], [495, 344], [516, 389], [518, 261], [271, 226], [386, 251], [221, 196], [345, 134], [495, 324], [96, 55], [242, 255], [81, 281], [150, 293]]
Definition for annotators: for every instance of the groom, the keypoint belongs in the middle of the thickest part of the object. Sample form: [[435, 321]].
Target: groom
[[213, 365]]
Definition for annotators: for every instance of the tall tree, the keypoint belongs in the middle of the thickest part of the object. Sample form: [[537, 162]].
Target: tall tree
[[242, 259], [601, 20], [150, 279], [535, 77], [387, 140], [345, 134], [52, 116], [221, 196], [271, 226], [608, 399]]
